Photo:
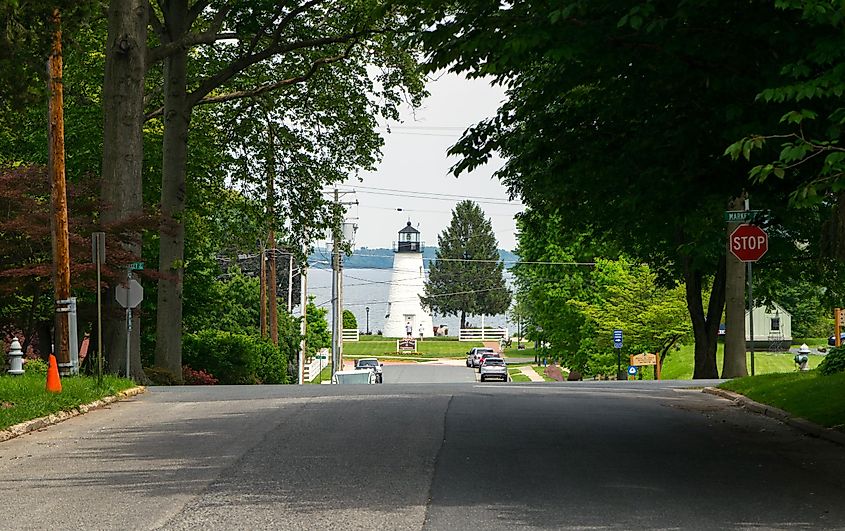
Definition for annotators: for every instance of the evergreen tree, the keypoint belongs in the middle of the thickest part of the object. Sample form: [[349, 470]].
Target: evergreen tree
[[466, 275]]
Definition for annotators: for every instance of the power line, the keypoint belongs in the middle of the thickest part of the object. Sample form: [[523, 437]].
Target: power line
[[452, 196]]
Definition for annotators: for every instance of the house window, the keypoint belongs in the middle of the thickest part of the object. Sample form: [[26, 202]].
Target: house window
[[775, 323]]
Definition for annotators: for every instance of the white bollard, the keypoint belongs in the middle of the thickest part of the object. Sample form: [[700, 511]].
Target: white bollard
[[15, 358]]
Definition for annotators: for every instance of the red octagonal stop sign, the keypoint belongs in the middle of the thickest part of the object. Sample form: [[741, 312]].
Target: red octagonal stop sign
[[749, 242]]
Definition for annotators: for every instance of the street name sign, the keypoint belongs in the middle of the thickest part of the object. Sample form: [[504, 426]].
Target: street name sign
[[136, 266], [741, 216], [749, 243]]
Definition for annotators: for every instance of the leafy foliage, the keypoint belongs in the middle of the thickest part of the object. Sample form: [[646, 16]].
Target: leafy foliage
[[833, 362], [466, 276], [235, 358], [192, 377], [349, 321], [318, 334]]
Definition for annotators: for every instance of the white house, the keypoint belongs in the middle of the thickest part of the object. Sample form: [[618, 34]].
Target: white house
[[772, 328], [406, 286]]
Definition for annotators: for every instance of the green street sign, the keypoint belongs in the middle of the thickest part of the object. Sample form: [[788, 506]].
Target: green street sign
[[742, 216], [136, 266]]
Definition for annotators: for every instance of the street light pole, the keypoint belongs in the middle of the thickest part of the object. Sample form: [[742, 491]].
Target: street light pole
[[367, 309]]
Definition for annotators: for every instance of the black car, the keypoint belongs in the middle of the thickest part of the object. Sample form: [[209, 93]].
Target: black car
[[832, 339]]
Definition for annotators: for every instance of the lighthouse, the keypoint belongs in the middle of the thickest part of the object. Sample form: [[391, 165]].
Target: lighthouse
[[406, 286]]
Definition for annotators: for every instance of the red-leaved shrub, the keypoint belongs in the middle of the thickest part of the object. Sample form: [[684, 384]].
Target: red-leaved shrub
[[192, 377]]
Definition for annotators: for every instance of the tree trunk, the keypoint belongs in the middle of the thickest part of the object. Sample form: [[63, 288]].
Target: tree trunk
[[734, 362], [705, 327], [123, 154], [463, 320], [177, 114]]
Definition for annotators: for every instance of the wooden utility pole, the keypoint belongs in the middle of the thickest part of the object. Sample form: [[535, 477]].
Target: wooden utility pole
[[58, 193], [262, 275], [734, 365], [271, 238]]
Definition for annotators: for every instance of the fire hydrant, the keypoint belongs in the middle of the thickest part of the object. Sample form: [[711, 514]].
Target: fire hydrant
[[15, 358], [802, 357]]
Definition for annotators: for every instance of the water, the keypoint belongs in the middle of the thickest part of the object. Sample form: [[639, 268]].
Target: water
[[368, 288]]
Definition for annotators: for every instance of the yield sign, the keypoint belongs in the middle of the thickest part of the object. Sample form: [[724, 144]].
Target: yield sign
[[749, 243]]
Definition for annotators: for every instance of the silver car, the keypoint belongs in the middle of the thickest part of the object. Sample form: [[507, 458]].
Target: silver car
[[373, 365], [474, 356], [494, 368]]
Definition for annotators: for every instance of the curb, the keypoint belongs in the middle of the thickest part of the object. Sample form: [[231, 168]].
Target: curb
[[42, 422], [802, 425]]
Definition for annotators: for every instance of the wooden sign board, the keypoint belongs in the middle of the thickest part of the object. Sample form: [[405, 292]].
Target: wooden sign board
[[643, 359], [406, 345]]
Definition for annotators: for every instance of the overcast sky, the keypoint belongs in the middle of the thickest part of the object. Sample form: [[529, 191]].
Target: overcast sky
[[415, 163]]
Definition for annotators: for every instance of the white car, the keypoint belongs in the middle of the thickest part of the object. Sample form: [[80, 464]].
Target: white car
[[493, 368], [357, 376], [371, 364], [474, 355]]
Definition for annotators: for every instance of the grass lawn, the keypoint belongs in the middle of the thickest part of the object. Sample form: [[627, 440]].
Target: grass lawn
[[517, 376], [324, 376], [808, 395], [539, 369], [428, 348], [679, 364], [24, 397]]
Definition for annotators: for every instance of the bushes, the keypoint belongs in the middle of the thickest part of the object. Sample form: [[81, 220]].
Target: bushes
[[192, 377], [349, 321], [235, 358], [834, 362]]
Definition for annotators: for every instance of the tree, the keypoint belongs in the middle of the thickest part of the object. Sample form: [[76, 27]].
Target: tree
[[244, 40], [317, 332], [616, 118], [466, 276], [349, 321]]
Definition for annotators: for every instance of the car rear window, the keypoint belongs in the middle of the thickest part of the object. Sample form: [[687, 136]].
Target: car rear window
[[494, 361]]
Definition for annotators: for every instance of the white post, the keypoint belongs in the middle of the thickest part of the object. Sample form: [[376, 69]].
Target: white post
[[290, 282], [303, 302], [482, 327]]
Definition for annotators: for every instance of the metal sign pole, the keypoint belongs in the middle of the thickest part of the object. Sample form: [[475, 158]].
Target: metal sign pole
[[751, 316], [128, 320]]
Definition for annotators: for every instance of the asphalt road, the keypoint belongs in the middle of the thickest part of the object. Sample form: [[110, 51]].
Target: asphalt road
[[578, 455]]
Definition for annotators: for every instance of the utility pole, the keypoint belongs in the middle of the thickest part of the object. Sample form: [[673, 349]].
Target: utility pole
[[262, 282], [337, 288], [337, 333], [290, 283], [303, 323], [59, 219], [271, 238]]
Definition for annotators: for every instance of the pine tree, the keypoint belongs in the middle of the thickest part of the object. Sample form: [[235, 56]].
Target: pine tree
[[466, 276]]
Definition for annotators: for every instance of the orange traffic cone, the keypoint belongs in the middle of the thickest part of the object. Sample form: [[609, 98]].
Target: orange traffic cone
[[54, 384]]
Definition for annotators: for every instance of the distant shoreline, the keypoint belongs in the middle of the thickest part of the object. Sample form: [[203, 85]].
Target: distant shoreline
[[382, 258]]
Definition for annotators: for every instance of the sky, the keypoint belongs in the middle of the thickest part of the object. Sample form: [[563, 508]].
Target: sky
[[415, 163]]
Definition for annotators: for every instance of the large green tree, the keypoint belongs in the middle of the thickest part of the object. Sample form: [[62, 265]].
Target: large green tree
[[466, 276], [616, 119]]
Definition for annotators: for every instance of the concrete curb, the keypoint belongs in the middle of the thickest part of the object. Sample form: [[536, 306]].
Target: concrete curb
[[803, 425], [42, 422]]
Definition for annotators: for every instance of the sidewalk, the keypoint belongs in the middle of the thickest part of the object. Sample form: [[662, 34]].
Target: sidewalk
[[529, 371]]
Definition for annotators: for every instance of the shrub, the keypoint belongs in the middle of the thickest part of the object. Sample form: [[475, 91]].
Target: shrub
[[192, 377], [235, 358], [35, 366], [834, 362], [349, 321], [159, 376]]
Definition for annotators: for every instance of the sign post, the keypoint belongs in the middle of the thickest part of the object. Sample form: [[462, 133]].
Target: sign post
[[749, 243], [129, 296], [617, 344], [98, 256]]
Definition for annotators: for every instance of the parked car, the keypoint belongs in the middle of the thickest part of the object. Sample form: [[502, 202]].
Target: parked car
[[357, 376], [371, 364], [832, 339], [474, 356], [486, 356], [493, 367]]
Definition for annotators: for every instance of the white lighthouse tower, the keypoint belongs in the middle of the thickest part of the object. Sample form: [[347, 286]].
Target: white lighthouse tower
[[406, 286]]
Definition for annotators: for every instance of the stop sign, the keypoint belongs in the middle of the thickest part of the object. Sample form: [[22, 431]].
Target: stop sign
[[749, 243]]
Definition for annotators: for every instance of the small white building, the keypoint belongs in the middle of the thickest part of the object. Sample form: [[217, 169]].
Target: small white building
[[406, 286], [772, 328]]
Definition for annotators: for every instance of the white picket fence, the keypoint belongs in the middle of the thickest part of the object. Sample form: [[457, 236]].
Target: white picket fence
[[351, 335], [482, 334], [316, 366]]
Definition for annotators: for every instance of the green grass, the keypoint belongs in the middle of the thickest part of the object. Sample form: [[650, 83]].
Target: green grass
[[324, 376], [539, 369], [679, 364], [24, 397], [517, 376], [808, 395], [427, 348]]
